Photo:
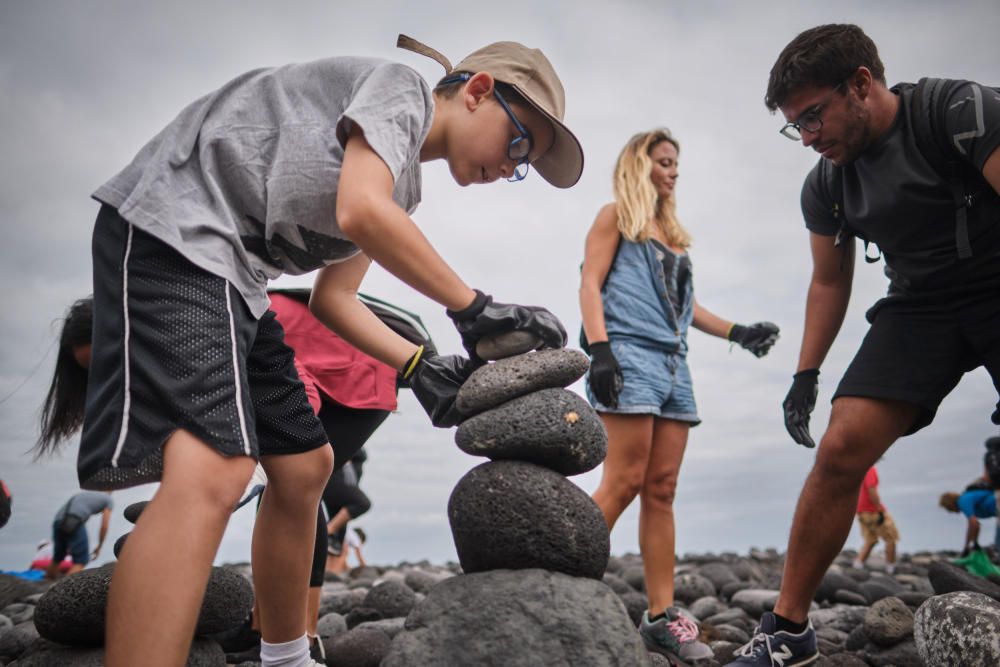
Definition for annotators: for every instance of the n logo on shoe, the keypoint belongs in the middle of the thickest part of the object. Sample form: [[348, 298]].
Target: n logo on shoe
[[784, 654]]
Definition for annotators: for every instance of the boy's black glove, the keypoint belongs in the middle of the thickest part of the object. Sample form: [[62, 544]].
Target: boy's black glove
[[757, 337], [605, 377], [435, 382], [484, 317], [881, 519], [799, 404]]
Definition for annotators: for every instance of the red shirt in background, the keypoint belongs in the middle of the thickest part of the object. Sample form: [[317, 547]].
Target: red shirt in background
[[338, 371], [865, 503]]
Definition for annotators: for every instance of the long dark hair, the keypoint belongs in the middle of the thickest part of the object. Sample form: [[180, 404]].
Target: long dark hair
[[62, 411]]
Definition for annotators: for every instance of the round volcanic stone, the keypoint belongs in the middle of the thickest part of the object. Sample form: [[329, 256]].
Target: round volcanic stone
[[133, 511], [554, 428], [507, 344], [499, 382], [517, 515]]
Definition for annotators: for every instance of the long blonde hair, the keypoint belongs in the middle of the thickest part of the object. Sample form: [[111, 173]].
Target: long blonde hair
[[639, 207]]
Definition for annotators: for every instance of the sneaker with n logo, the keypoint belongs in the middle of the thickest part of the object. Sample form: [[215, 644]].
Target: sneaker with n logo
[[773, 648]]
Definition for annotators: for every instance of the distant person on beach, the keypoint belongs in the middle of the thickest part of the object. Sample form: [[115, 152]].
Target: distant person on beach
[[354, 539], [69, 530], [344, 501], [876, 523], [293, 169], [6, 504], [913, 171], [977, 501], [637, 300]]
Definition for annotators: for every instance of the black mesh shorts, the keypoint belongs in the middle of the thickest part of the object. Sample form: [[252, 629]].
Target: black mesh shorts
[[917, 354], [175, 347]]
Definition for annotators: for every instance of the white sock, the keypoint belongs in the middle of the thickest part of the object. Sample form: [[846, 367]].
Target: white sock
[[288, 654], [890, 568]]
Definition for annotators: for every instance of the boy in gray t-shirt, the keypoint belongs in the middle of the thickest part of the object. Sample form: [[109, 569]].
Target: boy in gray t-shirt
[[282, 170]]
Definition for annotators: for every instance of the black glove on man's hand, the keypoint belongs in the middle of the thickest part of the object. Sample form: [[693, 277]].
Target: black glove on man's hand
[[605, 374], [799, 404], [484, 317], [435, 382], [757, 337]]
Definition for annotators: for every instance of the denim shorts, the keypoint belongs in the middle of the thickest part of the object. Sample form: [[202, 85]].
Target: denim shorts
[[657, 382], [76, 545]]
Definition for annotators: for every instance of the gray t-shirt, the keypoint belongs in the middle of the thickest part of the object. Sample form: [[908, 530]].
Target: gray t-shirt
[[243, 182], [85, 504]]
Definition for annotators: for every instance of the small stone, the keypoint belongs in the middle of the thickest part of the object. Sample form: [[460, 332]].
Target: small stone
[[554, 428], [119, 544], [331, 624], [360, 647], [359, 615], [133, 511], [850, 597], [755, 601], [888, 622], [391, 598], [494, 384], [507, 344], [635, 605], [689, 587]]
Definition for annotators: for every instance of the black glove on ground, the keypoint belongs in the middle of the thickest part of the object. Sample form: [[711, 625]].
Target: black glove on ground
[[799, 404], [605, 374], [757, 337], [484, 317], [435, 382]]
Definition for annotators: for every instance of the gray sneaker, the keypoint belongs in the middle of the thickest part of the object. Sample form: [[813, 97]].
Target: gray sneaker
[[674, 636]]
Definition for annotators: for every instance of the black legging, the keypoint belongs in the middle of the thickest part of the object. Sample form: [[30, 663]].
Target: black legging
[[348, 430]]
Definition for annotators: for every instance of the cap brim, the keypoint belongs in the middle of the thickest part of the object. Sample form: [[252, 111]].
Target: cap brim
[[562, 164]]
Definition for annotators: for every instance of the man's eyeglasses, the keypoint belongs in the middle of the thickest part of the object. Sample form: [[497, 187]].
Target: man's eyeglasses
[[520, 146], [812, 120]]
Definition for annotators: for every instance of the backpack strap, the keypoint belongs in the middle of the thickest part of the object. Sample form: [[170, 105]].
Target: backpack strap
[[835, 189], [928, 109]]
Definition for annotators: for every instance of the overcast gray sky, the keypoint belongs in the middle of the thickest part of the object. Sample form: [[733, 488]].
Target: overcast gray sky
[[85, 84]]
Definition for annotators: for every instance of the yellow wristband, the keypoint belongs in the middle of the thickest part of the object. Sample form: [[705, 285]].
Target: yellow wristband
[[411, 365], [729, 331]]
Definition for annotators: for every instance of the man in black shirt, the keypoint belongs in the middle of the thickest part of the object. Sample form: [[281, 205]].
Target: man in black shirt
[[941, 317]]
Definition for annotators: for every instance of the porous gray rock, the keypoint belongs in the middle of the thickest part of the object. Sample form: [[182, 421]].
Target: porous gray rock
[[634, 576], [888, 622], [730, 633], [359, 615], [516, 515], [754, 601], [689, 587], [948, 578], [903, 654], [72, 611], [360, 647], [723, 650], [848, 597], [390, 626], [706, 606], [554, 428], [16, 640], [616, 583], [876, 590], [331, 624], [635, 605], [834, 581], [503, 380], [341, 602], [841, 660], [507, 344], [459, 623], [13, 589], [18, 612], [421, 581], [959, 628], [390, 599], [841, 617], [719, 574], [133, 511]]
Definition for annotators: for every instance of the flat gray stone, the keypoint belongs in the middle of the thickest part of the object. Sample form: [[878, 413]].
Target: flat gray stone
[[507, 344], [554, 428], [506, 379], [706, 606], [754, 601], [72, 611], [360, 647], [516, 515], [523, 618], [958, 629]]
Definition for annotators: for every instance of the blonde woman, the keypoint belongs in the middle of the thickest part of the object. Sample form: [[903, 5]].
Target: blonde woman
[[637, 300]]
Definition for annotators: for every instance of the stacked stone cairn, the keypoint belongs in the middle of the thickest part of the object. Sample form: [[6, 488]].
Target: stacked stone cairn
[[532, 545], [69, 617]]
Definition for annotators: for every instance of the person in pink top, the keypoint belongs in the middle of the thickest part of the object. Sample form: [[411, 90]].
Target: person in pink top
[[876, 523]]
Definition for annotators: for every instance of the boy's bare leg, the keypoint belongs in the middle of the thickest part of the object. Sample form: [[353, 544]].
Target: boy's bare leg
[[283, 540], [860, 431], [159, 581]]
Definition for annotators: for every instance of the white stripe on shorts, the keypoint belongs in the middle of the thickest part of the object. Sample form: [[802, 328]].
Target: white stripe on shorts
[[236, 374], [127, 405]]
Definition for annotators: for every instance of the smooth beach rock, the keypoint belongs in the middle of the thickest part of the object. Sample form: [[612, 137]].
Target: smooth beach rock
[[359, 615], [635, 577], [13, 589], [948, 578], [719, 574], [133, 511], [616, 583], [503, 380], [509, 618], [754, 601], [360, 647], [18, 612], [507, 344], [706, 606], [958, 629], [635, 604], [390, 626], [341, 602], [119, 544], [834, 581], [847, 597], [841, 617], [690, 586], [331, 624], [903, 654], [391, 599], [888, 622], [554, 428], [516, 515], [72, 611], [16, 640]]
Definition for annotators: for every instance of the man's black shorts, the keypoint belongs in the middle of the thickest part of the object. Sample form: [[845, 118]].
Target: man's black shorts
[[917, 354], [175, 347]]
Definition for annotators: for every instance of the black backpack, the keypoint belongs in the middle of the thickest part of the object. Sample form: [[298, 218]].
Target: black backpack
[[927, 112]]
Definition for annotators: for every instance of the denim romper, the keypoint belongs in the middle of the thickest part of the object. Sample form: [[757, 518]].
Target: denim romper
[[648, 333]]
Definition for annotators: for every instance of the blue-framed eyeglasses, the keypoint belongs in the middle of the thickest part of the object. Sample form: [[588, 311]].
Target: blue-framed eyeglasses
[[812, 120], [520, 146]]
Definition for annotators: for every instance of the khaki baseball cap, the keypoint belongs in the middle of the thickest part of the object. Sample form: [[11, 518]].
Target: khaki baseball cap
[[530, 73]]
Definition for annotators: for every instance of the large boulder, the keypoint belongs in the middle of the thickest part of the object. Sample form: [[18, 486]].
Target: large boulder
[[503, 380], [518, 619], [516, 515], [958, 629], [72, 611], [554, 428], [948, 578]]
